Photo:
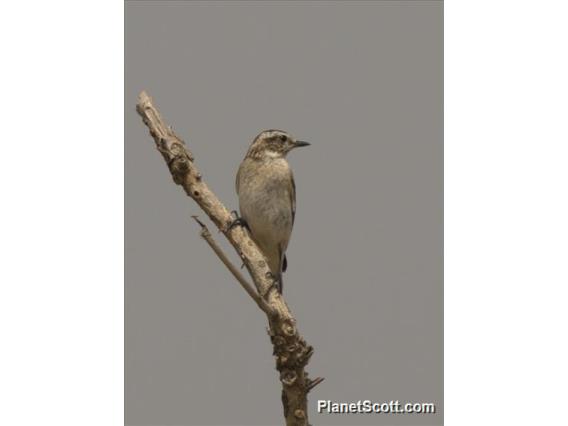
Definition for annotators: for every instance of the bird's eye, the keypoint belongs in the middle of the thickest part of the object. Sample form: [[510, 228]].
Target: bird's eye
[[283, 138]]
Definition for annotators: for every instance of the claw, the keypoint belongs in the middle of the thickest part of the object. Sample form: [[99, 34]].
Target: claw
[[238, 221]]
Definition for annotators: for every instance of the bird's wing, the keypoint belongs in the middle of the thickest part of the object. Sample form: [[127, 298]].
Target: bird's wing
[[237, 180], [293, 196]]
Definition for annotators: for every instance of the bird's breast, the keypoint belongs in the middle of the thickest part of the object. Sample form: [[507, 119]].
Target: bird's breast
[[265, 199]]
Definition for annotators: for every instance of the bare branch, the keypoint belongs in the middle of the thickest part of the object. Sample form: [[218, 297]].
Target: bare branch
[[206, 235], [291, 351]]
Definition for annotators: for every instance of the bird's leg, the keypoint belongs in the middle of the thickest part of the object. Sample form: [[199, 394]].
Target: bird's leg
[[237, 221]]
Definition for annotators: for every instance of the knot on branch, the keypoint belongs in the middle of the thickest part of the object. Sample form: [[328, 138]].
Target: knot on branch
[[278, 341], [294, 356], [288, 328], [304, 357], [177, 157], [300, 414], [282, 361], [288, 377], [292, 347]]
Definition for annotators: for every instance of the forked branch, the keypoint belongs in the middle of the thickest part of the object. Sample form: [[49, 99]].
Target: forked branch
[[206, 235]]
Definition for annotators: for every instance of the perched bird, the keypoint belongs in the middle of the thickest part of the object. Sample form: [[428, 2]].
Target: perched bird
[[267, 196]]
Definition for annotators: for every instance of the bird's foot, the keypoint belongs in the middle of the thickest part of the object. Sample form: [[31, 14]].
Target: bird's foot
[[237, 221]]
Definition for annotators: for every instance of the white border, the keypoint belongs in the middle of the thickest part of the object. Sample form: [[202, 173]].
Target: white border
[[506, 212], [61, 248]]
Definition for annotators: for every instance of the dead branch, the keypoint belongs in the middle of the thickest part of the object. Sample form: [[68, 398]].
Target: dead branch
[[206, 235], [290, 349]]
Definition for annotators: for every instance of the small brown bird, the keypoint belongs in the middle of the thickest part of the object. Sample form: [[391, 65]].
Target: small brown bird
[[267, 196]]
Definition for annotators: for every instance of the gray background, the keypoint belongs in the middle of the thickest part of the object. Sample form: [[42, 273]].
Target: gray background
[[363, 83]]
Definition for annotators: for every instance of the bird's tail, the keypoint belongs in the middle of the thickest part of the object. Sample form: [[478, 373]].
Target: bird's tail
[[283, 266]]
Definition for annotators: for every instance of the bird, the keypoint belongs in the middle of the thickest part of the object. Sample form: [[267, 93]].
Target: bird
[[267, 196]]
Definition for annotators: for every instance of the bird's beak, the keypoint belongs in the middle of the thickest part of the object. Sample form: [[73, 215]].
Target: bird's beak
[[301, 143]]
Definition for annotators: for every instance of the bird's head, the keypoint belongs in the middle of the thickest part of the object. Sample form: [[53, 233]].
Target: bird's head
[[273, 144]]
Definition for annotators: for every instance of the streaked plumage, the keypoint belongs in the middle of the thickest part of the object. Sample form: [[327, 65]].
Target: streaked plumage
[[267, 195]]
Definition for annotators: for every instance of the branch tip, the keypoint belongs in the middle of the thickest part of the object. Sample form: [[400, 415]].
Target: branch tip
[[143, 97], [196, 218]]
